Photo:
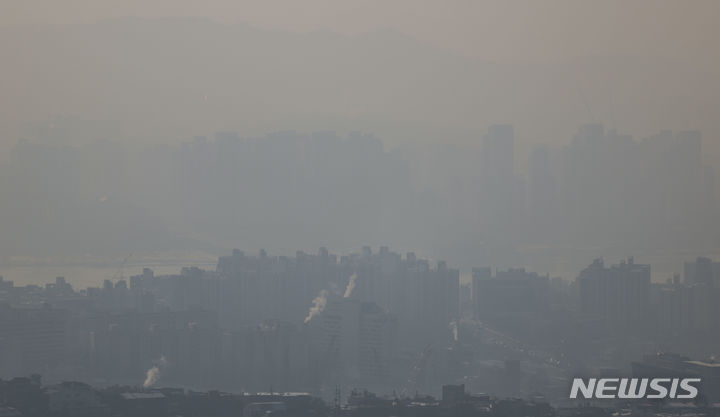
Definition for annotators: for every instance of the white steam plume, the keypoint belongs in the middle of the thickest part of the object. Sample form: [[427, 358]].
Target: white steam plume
[[351, 286], [318, 305], [152, 376]]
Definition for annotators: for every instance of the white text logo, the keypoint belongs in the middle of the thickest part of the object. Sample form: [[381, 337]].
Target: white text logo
[[651, 388]]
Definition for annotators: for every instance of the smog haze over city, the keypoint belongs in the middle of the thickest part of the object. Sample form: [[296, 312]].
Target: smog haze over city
[[357, 208]]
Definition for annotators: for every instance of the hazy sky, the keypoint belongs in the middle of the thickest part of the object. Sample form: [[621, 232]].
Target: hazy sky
[[410, 71], [494, 30], [640, 66]]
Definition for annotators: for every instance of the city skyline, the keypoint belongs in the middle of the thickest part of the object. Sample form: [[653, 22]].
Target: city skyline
[[375, 318], [601, 194], [491, 208]]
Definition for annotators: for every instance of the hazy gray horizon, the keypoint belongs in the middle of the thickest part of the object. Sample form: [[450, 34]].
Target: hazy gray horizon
[[90, 91], [347, 198], [168, 79]]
